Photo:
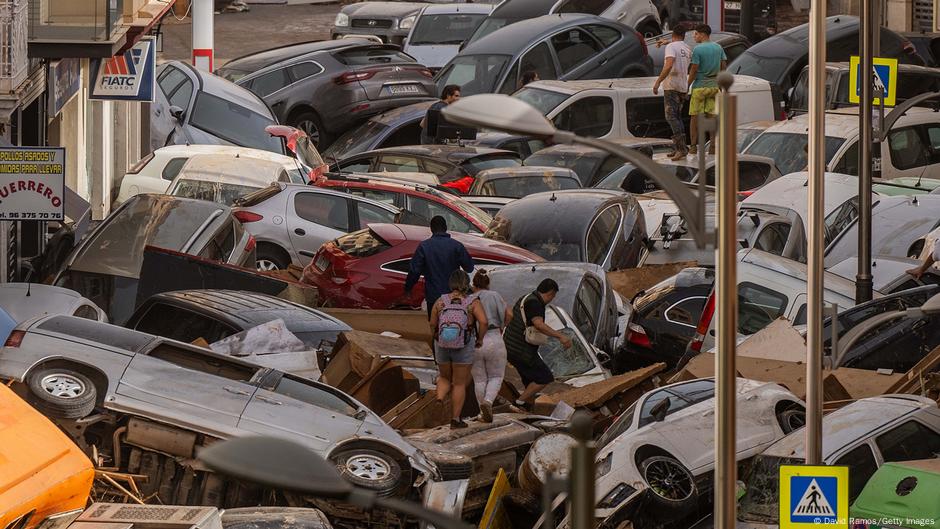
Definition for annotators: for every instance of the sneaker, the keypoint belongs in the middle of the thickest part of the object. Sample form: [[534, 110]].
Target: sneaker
[[693, 149], [456, 424], [486, 412]]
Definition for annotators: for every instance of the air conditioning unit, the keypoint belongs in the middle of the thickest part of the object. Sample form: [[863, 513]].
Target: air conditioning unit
[[128, 516]]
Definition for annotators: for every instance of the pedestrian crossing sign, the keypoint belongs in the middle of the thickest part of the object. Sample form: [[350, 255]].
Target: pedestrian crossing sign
[[814, 497], [884, 77]]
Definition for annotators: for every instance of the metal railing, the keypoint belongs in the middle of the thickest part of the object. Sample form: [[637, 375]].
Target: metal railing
[[74, 20], [14, 62]]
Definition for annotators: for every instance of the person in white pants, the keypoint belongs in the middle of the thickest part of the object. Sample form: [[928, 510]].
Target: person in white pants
[[489, 364]]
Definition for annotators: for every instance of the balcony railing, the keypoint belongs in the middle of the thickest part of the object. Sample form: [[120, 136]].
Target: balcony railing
[[14, 62], [74, 20]]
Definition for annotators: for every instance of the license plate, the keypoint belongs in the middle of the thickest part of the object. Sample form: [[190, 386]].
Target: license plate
[[404, 89], [733, 5], [322, 262]]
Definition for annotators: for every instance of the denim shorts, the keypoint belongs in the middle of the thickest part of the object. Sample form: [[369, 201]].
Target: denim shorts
[[445, 355]]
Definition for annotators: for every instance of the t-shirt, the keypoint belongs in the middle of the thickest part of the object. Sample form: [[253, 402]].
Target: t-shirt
[[678, 78], [519, 351], [494, 306], [708, 57]]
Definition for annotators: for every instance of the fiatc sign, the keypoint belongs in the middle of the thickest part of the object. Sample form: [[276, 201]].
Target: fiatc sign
[[130, 76], [814, 497], [32, 183]]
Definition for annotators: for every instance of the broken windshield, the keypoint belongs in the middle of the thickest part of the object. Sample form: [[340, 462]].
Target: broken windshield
[[565, 362], [760, 501]]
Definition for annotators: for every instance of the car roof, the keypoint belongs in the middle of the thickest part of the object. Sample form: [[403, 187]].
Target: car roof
[[850, 423], [253, 308], [222, 88], [912, 68], [835, 284], [526, 171], [885, 270], [523, 8], [574, 210], [395, 234], [710, 160], [515, 38], [790, 192], [290, 186], [452, 153], [641, 85], [42, 299], [247, 152], [468, 8], [255, 61], [843, 122], [233, 169], [514, 281]]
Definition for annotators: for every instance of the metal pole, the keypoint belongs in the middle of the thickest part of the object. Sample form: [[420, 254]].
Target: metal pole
[[863, 279], [726, 379], [582, 472], [817, 173], [203, 34]]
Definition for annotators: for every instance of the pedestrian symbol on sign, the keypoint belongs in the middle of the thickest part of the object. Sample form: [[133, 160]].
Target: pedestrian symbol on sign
[[813, 502], [814, 497]]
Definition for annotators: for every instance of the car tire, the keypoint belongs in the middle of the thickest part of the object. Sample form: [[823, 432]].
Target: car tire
[[648, 29], [309, 122], [369, 469], [671, 486], [62, 393], [791, 419], [270, 259]]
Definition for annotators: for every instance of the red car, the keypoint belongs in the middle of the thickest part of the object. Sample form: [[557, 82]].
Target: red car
[[367, 268], [422, 200]]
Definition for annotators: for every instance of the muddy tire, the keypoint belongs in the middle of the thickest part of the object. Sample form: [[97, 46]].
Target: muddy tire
[[671, 485], [62, 393], [369, 469], [791, 420]]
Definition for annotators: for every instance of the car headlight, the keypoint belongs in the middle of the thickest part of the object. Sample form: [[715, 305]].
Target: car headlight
[[616, 496], [603, 466], [342, 20], [406, 22]]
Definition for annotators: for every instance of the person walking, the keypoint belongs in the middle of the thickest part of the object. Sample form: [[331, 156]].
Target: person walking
[[708, 59], [450, 94], [489, 364], [458, 324], [673, 79], [436, 259], [526, 332]]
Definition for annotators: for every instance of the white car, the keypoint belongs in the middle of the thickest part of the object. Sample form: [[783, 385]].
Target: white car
[[222, 178], [155, 172], [660, 451], [440, 29], [862, 436]]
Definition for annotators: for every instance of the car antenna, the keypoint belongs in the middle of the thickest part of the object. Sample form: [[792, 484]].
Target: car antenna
[[554, 198], [28, 287], [611, 85], [338, 168]]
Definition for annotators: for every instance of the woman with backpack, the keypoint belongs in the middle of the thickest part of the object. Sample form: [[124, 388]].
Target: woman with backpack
[[489, 365], [452, 321]]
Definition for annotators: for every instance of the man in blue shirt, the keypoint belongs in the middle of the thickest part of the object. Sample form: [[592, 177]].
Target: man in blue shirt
[[708, 58], [436, 259]]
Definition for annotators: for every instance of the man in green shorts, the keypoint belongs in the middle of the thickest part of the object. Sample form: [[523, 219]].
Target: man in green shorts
[[708, 59]]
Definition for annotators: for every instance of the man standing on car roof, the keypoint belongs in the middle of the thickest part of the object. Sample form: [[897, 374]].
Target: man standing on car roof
[[708, 59], [436, 259], [450, 94], [675, 88]]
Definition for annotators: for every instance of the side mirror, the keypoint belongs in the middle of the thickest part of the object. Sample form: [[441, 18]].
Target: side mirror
[[178, 113], [659, 411]]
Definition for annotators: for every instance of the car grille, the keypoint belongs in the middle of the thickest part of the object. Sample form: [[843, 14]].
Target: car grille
[[370, 23]]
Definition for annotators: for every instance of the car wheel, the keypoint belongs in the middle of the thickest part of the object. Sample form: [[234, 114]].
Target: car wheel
[[269, 259], [648, 29], [310, 123], [62, 393], [671, 485], [791, 420], [369, 469]]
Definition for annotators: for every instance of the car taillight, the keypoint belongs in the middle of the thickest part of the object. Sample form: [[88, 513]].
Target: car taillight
[[638, 336], [15, 339], [352, 77], [642, 40], [461, 185], [318, 174], [246, 216], [427, 73], [744, 194], [250, 245], [703, 324]]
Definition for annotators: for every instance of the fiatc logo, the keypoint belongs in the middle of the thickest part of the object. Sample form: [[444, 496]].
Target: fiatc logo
[[127, 76]]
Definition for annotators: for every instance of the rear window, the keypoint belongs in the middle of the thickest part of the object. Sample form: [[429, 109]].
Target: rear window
[[475, 165], [94, 331], [233, 123], [524, 186], [371, 56], [362, 243], [211, 191], [257, 197]]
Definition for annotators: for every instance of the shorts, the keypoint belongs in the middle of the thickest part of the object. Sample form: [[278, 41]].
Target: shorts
[[535, 371], [704, 100], [444, 355]]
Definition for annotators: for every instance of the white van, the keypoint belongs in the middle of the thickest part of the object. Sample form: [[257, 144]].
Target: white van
[[440, 29], [616, 108]]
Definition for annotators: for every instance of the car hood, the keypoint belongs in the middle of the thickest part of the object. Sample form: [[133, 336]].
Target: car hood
[[383, 9], [433, 55]]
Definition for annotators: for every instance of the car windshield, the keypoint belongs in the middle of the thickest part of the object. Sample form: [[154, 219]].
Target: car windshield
[[680, 397], [621, 425], [761, 499], [770, 68], [211, 191], [526, 185], [468, 209], [582, 165], [233, 123], [544, 100], [563, 362], [553, 250], [746, 136], [788, 149], [488, 26], [450, 28], [480, 163], [474, 74], [357, 139]]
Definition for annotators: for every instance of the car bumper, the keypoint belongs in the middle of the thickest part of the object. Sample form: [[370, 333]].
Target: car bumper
[[388, 35]]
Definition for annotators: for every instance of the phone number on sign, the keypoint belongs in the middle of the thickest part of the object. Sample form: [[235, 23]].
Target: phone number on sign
[[14, 215]]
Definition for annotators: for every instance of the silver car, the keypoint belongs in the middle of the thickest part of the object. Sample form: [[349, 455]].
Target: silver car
[[72, 367], [289, 220]]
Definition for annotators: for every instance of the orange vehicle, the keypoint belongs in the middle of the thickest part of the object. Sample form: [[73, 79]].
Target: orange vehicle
[[43, 475]]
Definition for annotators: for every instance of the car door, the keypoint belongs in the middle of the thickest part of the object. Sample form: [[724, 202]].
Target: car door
[[538, 59], [175, 88], [365, 213], [291, 406], [587, 310], [195, 388], [862, 465], [601, 236], [932, 137], [589, 113], [314, 218], [579, 55]]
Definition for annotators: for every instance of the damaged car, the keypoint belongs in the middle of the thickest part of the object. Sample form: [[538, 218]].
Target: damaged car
[[518, 182]]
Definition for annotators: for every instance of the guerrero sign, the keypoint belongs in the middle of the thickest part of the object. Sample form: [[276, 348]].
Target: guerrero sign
[[32, 183], [126, 77]]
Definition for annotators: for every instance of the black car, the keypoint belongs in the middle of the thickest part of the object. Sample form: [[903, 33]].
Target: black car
[[664, 319], [185, 315], [781, 58], [590, 164], [606, 228], [454, 165], [734, 44], [325, 88], [912, 81]]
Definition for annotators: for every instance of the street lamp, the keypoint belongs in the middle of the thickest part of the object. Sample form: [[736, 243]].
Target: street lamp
[[510, 114], [283, 464]]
